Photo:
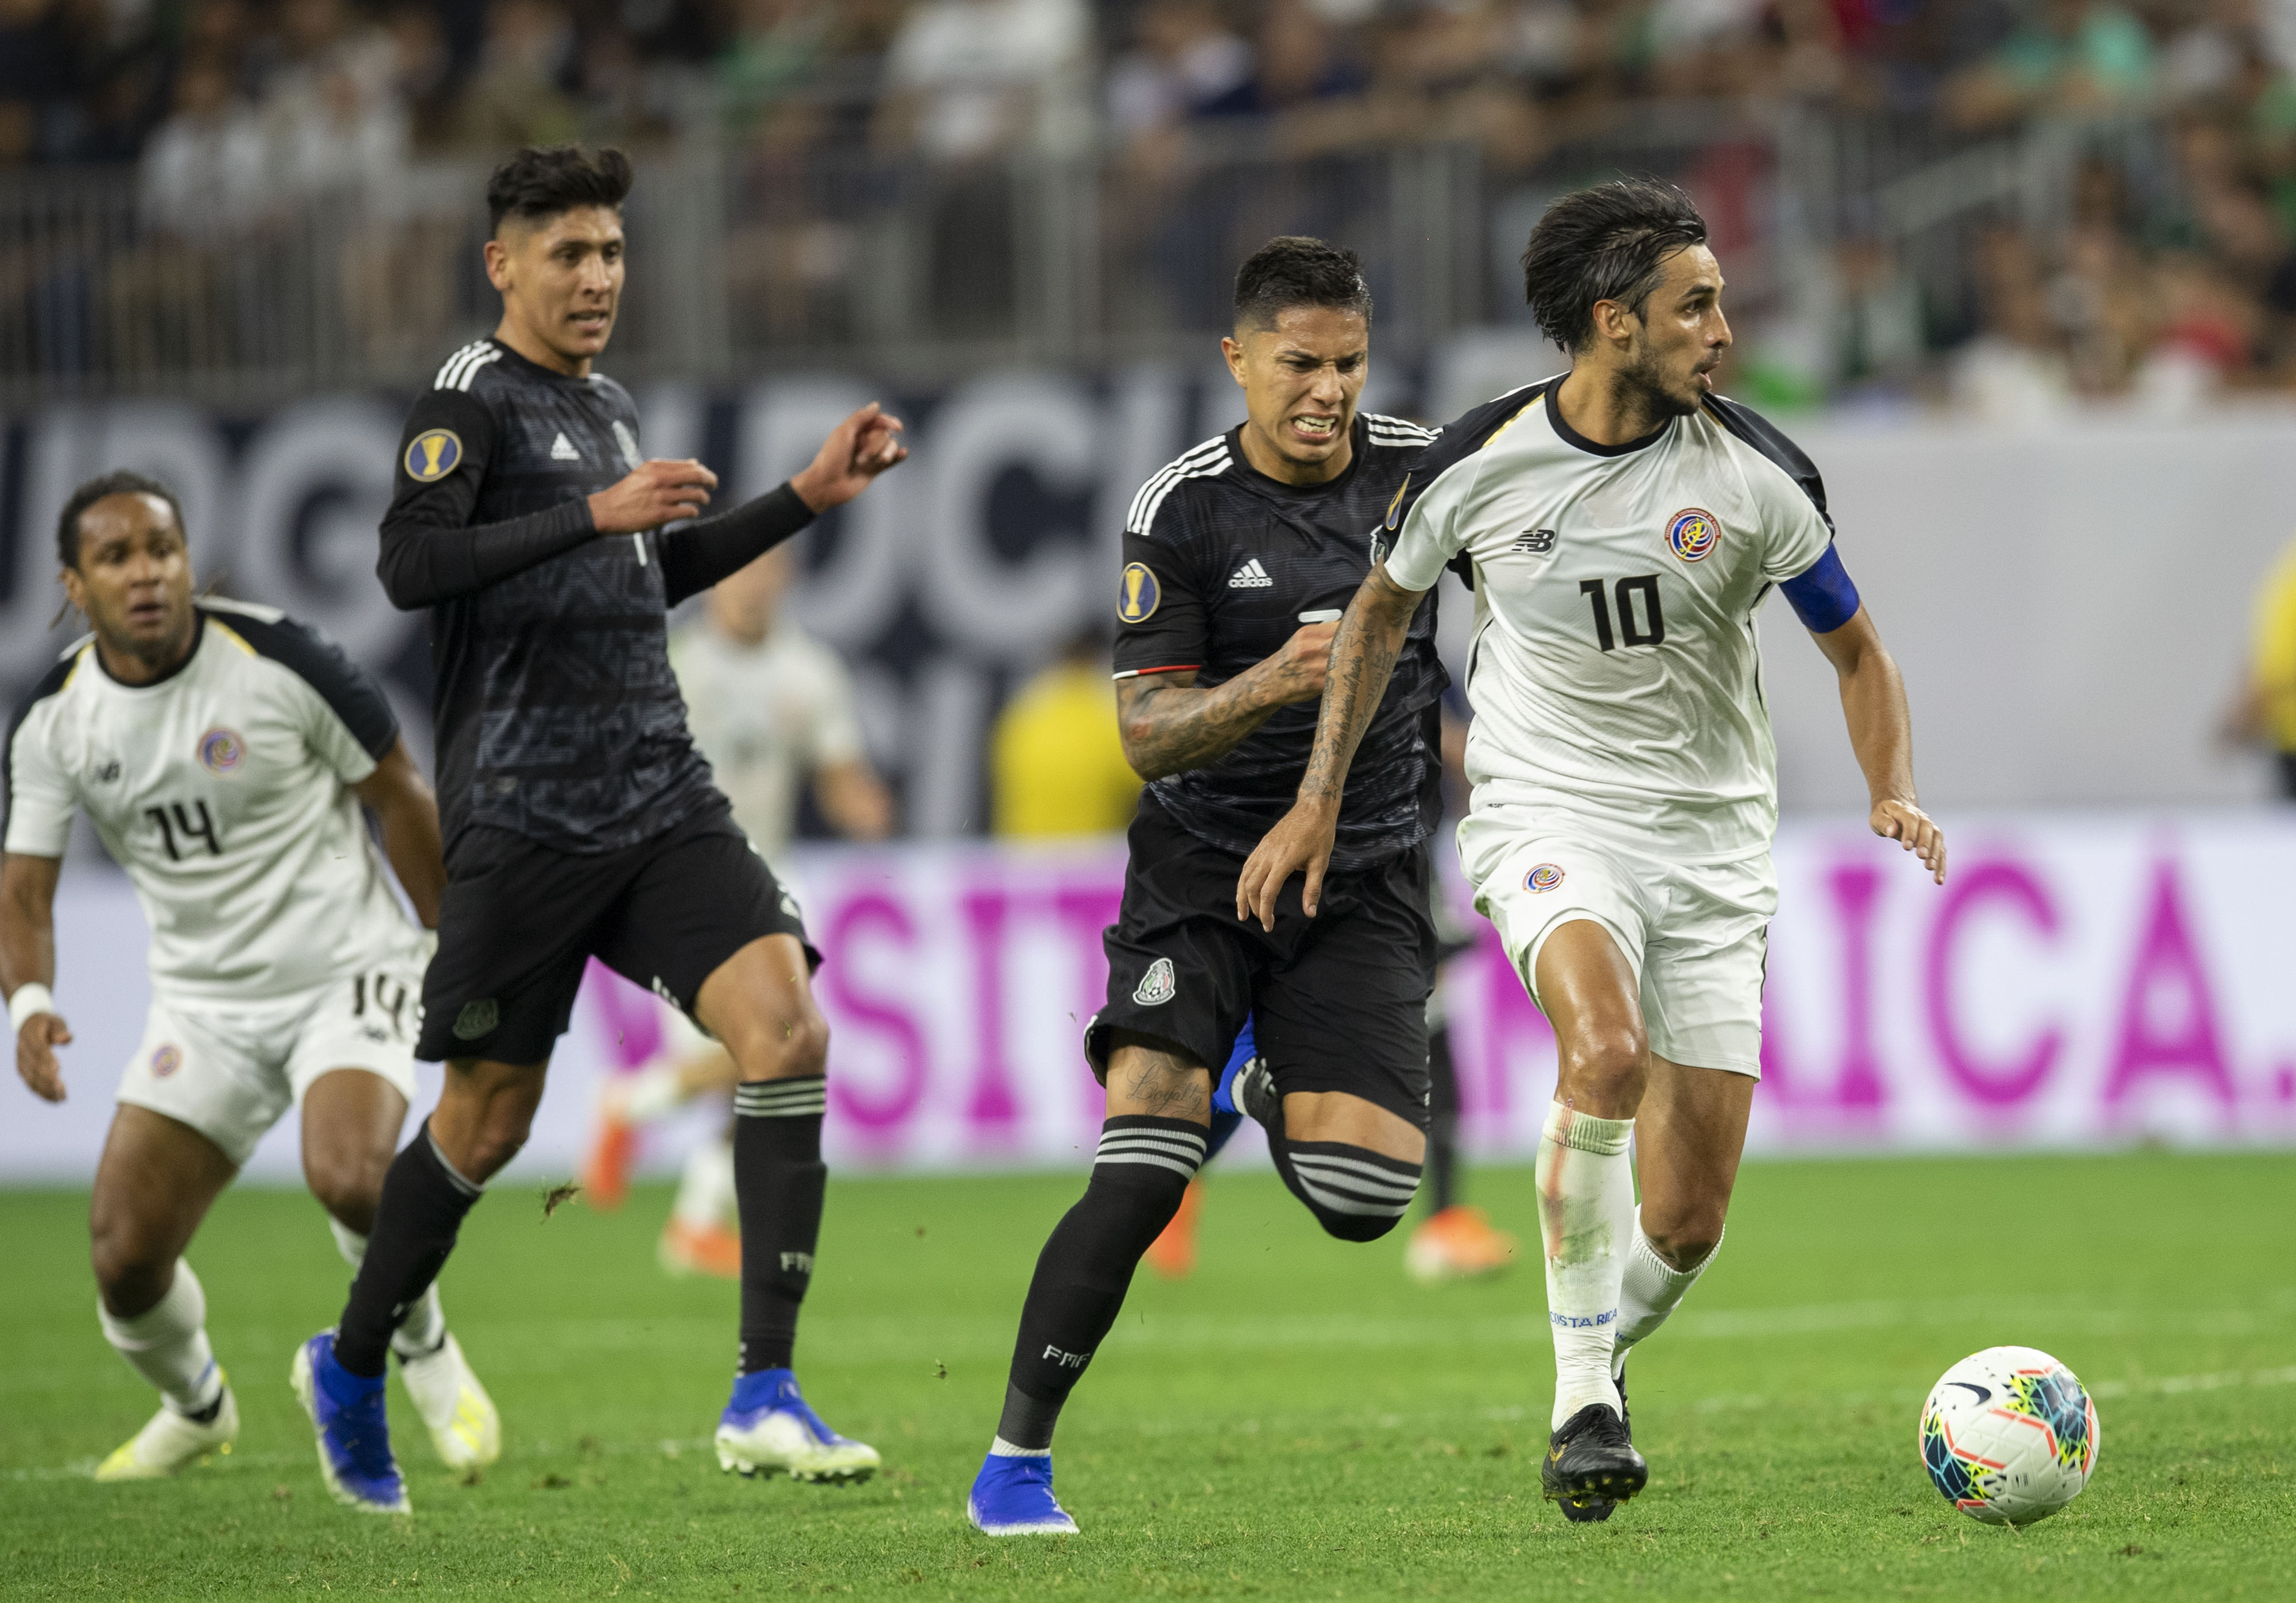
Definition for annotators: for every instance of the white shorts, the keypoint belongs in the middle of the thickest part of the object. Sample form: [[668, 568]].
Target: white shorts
[[1697, 935], [229, 1071]]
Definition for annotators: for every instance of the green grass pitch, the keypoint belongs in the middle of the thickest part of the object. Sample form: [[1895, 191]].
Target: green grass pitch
[[1297, 1421]]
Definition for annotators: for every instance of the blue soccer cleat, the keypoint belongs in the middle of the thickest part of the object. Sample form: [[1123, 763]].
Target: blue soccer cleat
[[769, 1426], [1012, 1496], [354, 1432], [1224, 1091]]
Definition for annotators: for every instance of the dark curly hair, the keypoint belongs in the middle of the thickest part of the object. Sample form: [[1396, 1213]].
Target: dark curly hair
[[119, 482], [1608, 243]]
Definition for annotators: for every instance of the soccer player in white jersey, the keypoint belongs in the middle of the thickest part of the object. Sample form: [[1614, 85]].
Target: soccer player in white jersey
[[770, 707], [222, 753], [1620, 526]]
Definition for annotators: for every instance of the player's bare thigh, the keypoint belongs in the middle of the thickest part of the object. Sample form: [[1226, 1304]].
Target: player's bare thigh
[[154, 1184], [1148, 1078], [1342, 1116], [759, 1003], [351, 1120]]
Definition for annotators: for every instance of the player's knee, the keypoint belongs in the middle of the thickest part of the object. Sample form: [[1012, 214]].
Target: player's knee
[[498, 1141], [132, 1267], [1686, 1237], [781, 1048], [349, 1185], [1614, 1056]]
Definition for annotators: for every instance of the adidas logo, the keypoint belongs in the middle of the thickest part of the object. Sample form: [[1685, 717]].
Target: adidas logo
[[1252, 576], [561, 449]]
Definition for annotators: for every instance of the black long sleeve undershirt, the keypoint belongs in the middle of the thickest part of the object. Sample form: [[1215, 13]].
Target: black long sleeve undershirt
[[705, 551], [423, 564]]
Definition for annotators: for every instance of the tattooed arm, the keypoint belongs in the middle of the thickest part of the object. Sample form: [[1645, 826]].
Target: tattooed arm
[[1169, 725], [1370, 636]]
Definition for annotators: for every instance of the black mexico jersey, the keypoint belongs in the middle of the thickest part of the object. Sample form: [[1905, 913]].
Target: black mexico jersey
[[1222, 565], [558, 717]]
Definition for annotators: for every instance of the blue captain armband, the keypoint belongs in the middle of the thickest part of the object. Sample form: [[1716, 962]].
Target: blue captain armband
[[1823, 597]]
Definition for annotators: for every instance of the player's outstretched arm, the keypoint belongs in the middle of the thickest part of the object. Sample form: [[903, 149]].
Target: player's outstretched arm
[[698, 555], [1169, 725], [1881, 735], [409, 816], [1370, 636], [28, 967]]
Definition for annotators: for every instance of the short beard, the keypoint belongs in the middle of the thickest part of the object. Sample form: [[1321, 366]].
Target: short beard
[[1644, 380], [157, 655]]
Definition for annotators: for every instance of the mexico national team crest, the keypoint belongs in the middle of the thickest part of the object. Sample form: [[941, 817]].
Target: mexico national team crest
[[432, 454], [1137, 602], [222, 749], [476, 1019], [1157, 985], [165, 1061], [1693, 533], [1544, 877]]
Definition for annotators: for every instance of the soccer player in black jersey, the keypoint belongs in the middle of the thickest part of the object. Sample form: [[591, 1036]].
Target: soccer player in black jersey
[[579, 820], [1238, 557]]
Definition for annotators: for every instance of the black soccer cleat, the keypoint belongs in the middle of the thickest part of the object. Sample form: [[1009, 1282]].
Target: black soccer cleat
[[1591, 1465]]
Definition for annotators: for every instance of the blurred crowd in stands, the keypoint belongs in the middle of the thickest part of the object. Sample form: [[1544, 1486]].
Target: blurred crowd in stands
[[2165, 270]]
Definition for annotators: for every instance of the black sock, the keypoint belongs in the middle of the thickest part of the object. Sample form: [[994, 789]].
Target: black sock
[[1138, 1177], [778, 1181], [1355, 1194], [1442, 1121], [416, 1224]]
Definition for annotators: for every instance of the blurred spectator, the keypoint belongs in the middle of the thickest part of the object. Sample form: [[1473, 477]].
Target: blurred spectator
[[517, 95], [2264, 711], [777, 48], [772, 709], [207, 170], [1187, 61], [2014, 372], [1057, 762], [967, 79], [2067, 57]]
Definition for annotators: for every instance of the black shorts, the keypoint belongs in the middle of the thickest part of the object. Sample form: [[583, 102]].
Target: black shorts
[[519, 920], [1337, 1002]]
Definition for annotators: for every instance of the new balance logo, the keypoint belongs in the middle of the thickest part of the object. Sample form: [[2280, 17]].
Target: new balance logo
[[1538, 542], [1068, 1360], [561, 449], [1252, 576]]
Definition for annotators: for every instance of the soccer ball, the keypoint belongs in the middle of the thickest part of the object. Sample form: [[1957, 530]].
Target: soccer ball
[[2009, 1436]]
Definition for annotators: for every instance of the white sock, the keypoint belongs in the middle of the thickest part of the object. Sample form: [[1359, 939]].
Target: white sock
[[650, 1093], [1586, 1220], [999, 1448], [1653, 1289], [167, 1344], [705, 1191], [425, 1324]]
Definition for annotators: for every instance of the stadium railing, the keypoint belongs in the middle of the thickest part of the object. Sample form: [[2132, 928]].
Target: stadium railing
[[745, 258]]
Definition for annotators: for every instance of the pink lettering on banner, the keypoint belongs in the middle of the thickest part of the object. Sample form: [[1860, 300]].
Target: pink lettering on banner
[[2166, 977], [992, 1109], [873, 916], [632, 1017], [1993, 1084], [1085, 909], [1513, 1028], [1857, 892]]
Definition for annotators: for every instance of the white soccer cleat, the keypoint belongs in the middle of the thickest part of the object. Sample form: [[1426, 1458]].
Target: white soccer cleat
[[464, 1426], [169, 1442], [769, 1426]]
